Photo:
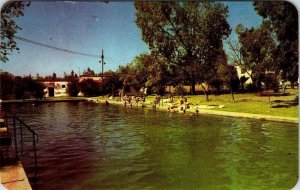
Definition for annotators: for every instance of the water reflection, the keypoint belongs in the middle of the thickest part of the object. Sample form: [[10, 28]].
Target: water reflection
[[89, 146]]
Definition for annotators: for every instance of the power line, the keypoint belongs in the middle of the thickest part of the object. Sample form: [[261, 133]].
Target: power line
[[63, 50], [55, 48]]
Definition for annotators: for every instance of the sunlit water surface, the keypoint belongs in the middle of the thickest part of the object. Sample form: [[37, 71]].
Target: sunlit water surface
[[90, 146]]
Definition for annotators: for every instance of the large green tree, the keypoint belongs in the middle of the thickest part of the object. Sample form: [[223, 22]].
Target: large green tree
[[134, 74], [283, 17], [111, 82], [126, 76], [9, 27], [146, 70], [227, 73], [158, 74], [187, 34], [258, 52]]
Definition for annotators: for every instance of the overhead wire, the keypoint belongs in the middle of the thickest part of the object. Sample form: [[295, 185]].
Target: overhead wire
[[55, 48], [61, 49]]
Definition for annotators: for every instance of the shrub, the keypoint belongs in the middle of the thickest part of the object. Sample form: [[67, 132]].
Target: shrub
[[179, 90], [89, 88], [37, 89], [216, 86], [271, 82], [158, 89], [73, 87], [250, 87]]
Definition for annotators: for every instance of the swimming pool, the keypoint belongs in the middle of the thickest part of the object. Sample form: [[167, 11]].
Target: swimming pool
[[90, 146]]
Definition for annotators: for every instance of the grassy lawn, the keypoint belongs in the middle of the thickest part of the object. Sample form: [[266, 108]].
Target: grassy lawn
[[278, 105]]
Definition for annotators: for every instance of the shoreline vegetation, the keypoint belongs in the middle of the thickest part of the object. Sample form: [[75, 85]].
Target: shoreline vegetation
[[272, 108], [248, 105]]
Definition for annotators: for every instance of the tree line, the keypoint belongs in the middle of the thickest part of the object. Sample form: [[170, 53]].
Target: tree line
[[17, 87], [269, 51], [186, 41], [189, 37]]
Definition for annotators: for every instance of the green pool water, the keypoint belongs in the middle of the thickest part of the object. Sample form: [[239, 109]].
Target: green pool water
[[90, 146]]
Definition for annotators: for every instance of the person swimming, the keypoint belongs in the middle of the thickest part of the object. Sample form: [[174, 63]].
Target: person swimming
[[197, 110]]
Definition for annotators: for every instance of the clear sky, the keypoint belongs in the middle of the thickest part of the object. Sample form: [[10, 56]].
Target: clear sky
[[89, 27]]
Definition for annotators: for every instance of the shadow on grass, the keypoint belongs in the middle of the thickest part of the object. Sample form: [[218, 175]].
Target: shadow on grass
[[285, 104], [276, 94]]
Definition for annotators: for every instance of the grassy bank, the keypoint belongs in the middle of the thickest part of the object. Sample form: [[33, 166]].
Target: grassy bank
[[274, 105]]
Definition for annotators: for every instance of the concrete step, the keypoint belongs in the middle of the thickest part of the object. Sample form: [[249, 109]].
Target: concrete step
[[14, 177], [2, 123], [3, 130], [5, 137], [5, 141]]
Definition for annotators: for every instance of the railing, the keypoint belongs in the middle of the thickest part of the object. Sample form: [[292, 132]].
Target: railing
[[22, 136]]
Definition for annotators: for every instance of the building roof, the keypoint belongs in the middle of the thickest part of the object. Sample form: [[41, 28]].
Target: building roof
[[91, 76], [52, 80]]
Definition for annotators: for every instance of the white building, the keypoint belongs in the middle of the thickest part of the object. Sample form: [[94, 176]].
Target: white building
[[55, 88], [241, 73], [58, 87]]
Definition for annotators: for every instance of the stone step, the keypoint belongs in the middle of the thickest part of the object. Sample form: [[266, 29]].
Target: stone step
[[5, 137], [3, 130], [5, 141], [2, 123], [14, 177]]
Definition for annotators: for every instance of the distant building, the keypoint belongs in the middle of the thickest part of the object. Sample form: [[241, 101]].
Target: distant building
[[55, 87], [96, 78], [58, 87], [242, 73]]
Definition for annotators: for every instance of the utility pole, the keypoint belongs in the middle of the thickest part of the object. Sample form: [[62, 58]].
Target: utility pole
[[103, 63]]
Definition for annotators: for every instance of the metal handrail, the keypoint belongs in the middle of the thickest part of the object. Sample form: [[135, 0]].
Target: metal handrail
[[21, 121], [35, 136]]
